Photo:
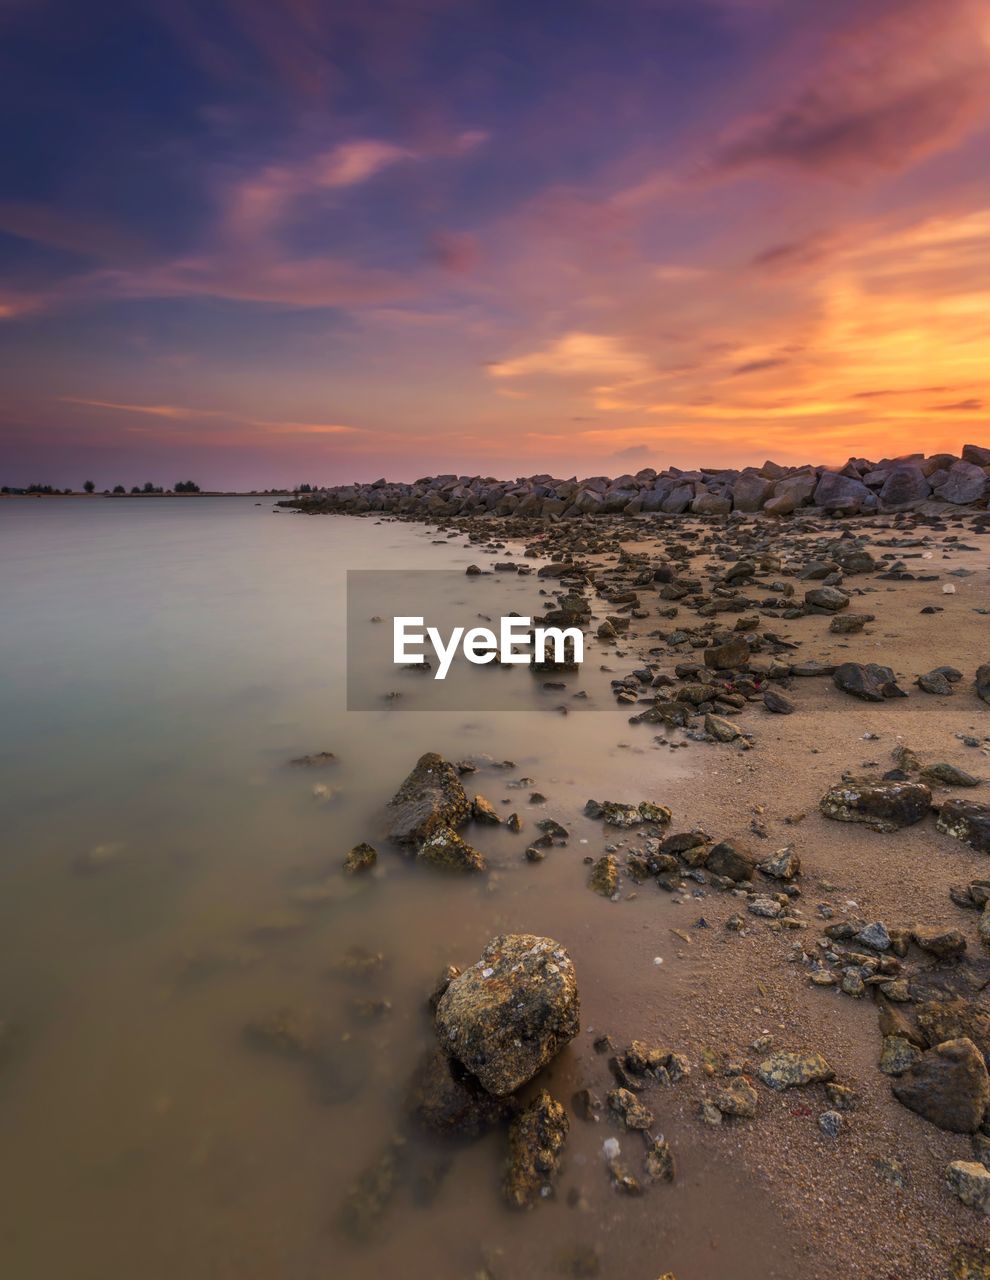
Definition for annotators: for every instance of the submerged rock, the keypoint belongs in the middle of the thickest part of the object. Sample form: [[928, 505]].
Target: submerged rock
[[659, 1161], [948, 1085], [448, 1101], [511, 1013], [443, 848], [361, 858], [369, 1196], [884, 806], [536, 1141], [431, 797]]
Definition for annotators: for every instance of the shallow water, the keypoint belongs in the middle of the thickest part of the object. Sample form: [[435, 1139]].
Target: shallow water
[[162, 661]]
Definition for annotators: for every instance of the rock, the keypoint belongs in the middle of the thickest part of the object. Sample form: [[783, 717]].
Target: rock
[[720, 729], [762, 905], [614, 814], [361, 858], [976, 454], [906, 486], [445, 849], [484, 812], [874, 936], [967, 821], [964, 484], [750, 492], [711, 504], [791, 1070], [897, 1055], [870, 682], [629, 1109], [884, 806], [732, 860], [512, 1012], [604, 877], [848, 624], [318, 760], [536, 1141], [971, 1183], [777, 703], [842, 494], [948, 1086], [730, 656], [936, 683], [826, 599], [737, 1098], [944, 943], [982, 682], [949, 775], [830, 1123], [369, 1196], [431, 797], [785, 864], [952, 1019], [659, 1161], [448, 1101]]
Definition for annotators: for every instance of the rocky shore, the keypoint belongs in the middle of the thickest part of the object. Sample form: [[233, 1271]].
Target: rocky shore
[[861, 487]]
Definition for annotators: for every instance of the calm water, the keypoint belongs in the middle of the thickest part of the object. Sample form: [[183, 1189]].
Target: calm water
[[162, 661]]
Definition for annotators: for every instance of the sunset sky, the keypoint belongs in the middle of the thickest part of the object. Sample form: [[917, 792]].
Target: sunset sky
[[258, 242]]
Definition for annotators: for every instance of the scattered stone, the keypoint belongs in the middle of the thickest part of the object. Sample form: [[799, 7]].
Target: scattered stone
[[732, 860], [777, 703], [484, 812], [871, 683], [949, 775], [971, 1183], [361, 858], [883, 806], [737, 1098], [318, 760], [445, 849], [785, 864], [947, 944], [629, 1109], [604, 877], [791, 1070], [830, 1123], [536, 1141], [431, 797], [659, 1160]]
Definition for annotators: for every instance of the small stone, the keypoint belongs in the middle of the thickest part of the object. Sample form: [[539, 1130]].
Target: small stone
[[536, 1140], [830, 1123], [604, 877], [791, 1070], [737, 1098], [361, 858], [629, 1109], [971, 1183], [944, 943], [659, 1160], [785, 864]]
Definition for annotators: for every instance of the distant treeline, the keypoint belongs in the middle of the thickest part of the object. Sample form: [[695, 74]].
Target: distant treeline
[[181, 486]]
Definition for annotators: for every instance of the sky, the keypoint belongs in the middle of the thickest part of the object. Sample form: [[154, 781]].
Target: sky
[[264, 242]]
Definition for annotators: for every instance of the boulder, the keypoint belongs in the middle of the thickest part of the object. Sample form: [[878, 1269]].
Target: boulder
[[968, 821], [964, 484], [905, 486], [842, 494], [510, 1014], [780, 505], [750, 492], [731, 860], [948, 1086], [970, 1180], [536, 1140], [884, 806], [871, 682], [711, 504], [976, 454], [431, 797], [983, 682], [826, 599]]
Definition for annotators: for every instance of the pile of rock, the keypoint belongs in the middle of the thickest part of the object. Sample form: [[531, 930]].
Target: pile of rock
[[859, 487]]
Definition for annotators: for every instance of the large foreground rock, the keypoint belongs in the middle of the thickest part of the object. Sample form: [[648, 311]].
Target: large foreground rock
[[536, 1140], [871, 682], [431, 797], [967, 821], [948, 1085], [884, 806], [512, 1012]]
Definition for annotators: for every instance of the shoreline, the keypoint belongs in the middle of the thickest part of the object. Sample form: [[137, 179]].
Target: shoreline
[[757, 979]]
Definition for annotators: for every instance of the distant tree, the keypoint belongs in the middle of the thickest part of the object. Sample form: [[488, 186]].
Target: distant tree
[[89, 486], [149, 487], [187, 486], [135, 489], [42, 488], [119, 488]]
